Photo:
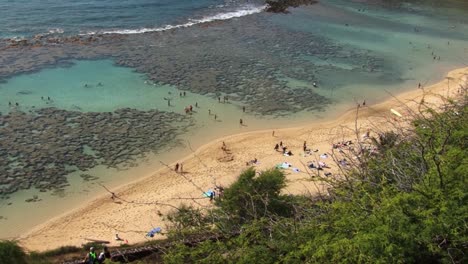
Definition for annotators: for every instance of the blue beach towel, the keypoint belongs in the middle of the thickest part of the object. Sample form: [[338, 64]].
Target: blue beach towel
[[154, 231]]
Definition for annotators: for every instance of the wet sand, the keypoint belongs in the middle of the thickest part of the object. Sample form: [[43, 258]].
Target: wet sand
[[137, 208]]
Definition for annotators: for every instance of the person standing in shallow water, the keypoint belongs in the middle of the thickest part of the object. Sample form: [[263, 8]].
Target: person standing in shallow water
[[241, 122]]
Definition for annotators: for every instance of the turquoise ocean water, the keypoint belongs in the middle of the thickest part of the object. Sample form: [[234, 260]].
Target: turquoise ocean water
[[399, 41]]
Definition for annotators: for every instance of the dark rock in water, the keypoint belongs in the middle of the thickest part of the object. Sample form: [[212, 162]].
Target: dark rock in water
[[24, 92], [34, 199], [87, 177], [43, 145], [281, 6]]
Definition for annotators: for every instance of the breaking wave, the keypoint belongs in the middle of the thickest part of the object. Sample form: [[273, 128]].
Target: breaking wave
[[244, 11]]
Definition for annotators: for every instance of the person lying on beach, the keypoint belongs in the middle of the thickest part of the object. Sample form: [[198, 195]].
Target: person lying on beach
[[252, 162], [323, 165]]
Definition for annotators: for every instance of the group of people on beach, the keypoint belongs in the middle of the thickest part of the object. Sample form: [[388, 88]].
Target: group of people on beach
[[284, 149], [179, 167], [217, 193], [287, 152], [342, 144]]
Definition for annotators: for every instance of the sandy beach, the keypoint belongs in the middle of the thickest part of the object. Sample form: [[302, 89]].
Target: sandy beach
[[138, 205]]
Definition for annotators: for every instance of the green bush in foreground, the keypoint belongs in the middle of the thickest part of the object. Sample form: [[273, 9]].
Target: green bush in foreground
[[11, 253], [406, 204]]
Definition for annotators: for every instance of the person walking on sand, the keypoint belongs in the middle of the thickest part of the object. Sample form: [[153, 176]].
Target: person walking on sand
[[276, 147], [181, 167], [176, 167], [273, 133]]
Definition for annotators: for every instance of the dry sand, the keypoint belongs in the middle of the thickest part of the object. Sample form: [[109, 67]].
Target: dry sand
[[208, 165]]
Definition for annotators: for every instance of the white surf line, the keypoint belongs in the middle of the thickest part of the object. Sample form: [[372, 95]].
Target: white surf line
[[245, 11]]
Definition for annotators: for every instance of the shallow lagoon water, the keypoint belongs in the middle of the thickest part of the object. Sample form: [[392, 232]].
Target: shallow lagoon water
[[99, 85]]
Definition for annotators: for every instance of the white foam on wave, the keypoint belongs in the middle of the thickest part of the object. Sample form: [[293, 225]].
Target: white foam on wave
[[244, 11], [56, 31]]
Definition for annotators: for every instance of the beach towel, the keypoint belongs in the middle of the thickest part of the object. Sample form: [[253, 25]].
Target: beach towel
[[395, 112], [295, 169], [285, 165], [154, 231], [208, 193], [324, 156]]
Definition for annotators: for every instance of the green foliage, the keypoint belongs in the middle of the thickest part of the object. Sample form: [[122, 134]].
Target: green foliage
[[252, 197], [61, 251], [405, 204], [95, 245], [11, 253]]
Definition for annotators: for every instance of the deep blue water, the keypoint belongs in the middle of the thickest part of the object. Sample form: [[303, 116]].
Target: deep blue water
[[25, 18]]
